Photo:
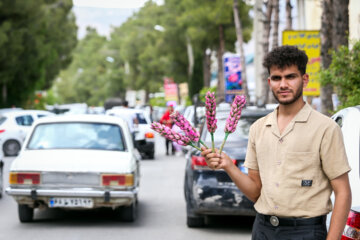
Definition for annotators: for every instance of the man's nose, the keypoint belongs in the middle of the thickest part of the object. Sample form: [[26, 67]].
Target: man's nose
[[283, 82]]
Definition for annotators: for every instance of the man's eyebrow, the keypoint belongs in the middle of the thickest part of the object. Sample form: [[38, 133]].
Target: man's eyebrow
[[291, 75]]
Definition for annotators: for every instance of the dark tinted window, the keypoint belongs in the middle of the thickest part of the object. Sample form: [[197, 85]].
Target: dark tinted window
[[140, 117], [25, 120], [2, 120]]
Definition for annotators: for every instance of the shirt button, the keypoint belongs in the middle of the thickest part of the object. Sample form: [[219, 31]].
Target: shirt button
[[281, 140], [277, 184], [278, 162], [276, 207]]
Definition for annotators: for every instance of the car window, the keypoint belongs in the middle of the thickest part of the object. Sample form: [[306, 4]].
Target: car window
[[339, 121], [242, 130], [25, 120], [76, 135], [2, 120], [141, 118]]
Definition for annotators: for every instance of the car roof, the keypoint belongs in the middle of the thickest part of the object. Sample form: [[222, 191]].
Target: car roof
[[23, 112], [96, 118]]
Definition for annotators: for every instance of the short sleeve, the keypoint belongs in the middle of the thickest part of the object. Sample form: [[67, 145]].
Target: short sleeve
[[332, 153], [250, 159]]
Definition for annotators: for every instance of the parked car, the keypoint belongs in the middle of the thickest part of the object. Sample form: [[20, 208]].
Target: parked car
[[14, 126], [209, 192], [76, 162], [144, 135], [349, 121]]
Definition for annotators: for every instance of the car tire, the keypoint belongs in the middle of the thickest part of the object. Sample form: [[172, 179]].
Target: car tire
[[195, 222], [26, 213], [11, 148], [151, 155], [129, 213]]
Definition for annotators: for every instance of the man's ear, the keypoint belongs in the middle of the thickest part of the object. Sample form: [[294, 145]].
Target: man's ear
[[305, 78], [268, 81]]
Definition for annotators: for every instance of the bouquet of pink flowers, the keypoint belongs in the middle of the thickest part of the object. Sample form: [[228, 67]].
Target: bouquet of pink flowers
[[192, 136]]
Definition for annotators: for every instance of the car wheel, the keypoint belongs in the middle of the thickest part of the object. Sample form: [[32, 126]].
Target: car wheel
[[26, 213], [151, 155], [195, 222], [129, 213], [11, 148], [1, 179]]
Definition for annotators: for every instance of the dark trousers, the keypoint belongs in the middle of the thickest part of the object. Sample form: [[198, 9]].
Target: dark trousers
[[167, 143], [264, 230]]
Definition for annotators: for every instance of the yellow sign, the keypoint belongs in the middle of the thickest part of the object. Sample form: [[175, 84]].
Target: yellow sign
[[309, 41]]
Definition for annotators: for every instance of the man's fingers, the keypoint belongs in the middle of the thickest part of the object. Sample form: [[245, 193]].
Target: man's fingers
[[205, 152]]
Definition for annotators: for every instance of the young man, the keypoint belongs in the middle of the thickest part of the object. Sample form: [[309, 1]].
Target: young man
[[295, 159]]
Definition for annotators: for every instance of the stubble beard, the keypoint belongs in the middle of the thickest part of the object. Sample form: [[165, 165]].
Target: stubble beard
[[297, 95]]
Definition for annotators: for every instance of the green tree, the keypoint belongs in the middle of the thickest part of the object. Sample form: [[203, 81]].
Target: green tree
[[346, 79], [93, 75], [36, 38]]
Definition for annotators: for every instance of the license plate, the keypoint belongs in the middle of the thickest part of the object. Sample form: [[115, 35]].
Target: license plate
[[71, 202]]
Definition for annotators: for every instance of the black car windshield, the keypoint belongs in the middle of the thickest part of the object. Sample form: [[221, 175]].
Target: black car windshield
[[242, 130], [76, 135]]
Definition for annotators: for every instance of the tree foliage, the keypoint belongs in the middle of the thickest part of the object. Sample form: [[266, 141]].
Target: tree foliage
[[344, 72], [36, 40], [143, 55]]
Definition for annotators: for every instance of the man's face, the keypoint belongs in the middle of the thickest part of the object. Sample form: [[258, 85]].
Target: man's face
[[287, 84]]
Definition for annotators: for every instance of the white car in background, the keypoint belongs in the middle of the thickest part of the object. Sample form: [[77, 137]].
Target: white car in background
[[76, 162], [144, 135], [349, 121], [14, 126]]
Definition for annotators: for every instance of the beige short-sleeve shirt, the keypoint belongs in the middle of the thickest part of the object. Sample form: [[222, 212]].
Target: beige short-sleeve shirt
[[296, 166]]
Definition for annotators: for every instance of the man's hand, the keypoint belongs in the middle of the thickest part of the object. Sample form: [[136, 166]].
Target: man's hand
[[215, 161]]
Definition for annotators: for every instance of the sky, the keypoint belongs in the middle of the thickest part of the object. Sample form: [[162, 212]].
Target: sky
[[103, 14]]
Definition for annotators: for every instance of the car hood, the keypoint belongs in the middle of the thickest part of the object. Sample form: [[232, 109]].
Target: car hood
[[74, 161]]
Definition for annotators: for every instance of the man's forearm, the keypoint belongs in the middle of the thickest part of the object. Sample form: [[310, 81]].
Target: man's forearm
[[339, 215], [247, 185]]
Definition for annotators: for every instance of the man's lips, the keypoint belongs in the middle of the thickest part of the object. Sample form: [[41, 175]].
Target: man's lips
[[284, 92]]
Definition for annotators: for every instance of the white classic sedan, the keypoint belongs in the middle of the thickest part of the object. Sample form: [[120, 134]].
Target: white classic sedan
[[76, 162]]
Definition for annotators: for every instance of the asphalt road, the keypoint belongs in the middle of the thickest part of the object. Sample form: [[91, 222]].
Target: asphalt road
[[161, 213]]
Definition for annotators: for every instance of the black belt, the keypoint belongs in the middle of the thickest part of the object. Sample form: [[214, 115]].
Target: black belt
[[279, 221]]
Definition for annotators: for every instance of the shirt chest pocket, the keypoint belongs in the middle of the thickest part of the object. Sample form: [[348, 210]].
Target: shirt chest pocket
[[300, 169]]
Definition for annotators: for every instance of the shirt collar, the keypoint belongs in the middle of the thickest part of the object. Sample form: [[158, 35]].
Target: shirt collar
[[301, 116]]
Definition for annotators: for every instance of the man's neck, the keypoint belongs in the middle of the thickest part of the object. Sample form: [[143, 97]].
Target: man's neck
[[292, 109]]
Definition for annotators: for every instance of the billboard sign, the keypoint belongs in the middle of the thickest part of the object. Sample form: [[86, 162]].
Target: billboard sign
[[309, 41], [232, 75], [171, 91]]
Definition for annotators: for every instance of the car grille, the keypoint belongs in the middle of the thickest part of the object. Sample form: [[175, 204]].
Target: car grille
[[70, 179]]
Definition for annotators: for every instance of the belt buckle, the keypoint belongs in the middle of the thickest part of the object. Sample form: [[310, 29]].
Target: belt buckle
[[274, 221]]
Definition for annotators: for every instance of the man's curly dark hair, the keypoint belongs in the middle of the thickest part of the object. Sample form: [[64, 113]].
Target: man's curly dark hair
[[286, 56]]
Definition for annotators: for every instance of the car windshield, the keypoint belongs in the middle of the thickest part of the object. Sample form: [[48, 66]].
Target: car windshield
[[75, 135], [242, 130]]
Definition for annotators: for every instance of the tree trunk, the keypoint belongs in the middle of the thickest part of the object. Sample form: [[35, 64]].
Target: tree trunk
[[206, 67], [220, 53], [240, 40], [267, 27], [340, 23], [190, 54], [275, 39], [4, 94], [288, 15], [326, 45]]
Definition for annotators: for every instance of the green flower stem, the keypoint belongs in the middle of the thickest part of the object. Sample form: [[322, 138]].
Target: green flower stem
[[200, 141], [212, 142], [191, 144], [223, 143]]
